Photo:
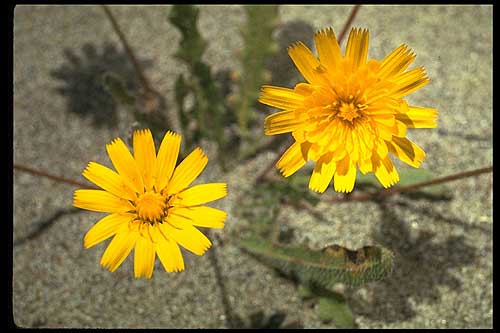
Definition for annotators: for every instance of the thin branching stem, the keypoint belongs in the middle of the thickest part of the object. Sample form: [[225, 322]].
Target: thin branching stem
[[39, 173], [348, 23], [130, 53], [412, 187], [346, 27]]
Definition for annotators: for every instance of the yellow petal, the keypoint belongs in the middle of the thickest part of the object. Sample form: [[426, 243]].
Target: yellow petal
[[168, 251], [408, 82], [399, 129], [376, 110], [322, 173], [166, 160], [281, 122], [281, 98], [365, 165], [200, 194], [101, 201], [358, 139], [386, 120], [177, 221], [418, 117], [305, 62], [304, 89], [322, 134], [189, 237], [313, 151], [357, 47], [366, 135], [385, 171], [187, 171], [345, 175], [108, 180], [328, 48], [380, 147], [202, 216], [406, 151], [396, 61], [354, 151], [292, 160], [119, 248], [125, 164], [323, 96], [105, 228], [145, 155], [144, 258], [383, 132]]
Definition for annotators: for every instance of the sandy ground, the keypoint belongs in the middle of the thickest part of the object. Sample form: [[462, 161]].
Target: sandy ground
[[62, 119]]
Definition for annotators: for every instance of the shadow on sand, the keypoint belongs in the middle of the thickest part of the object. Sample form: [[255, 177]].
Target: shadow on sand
[[81, 78], [422, 265]]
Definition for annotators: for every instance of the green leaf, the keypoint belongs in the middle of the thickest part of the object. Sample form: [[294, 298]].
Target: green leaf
[[333, 307], [192, 45], [325, 267], [304, 291], [208, 102], [259, 45]]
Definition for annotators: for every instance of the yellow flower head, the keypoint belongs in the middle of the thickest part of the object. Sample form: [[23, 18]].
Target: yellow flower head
[[152, 210], [350, 114]]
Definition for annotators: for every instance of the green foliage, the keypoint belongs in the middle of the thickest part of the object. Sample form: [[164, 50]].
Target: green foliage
[[258, 47], [192, 45], [181, 91], [208, 109], [207, 115], [333, 307], [326, 267]]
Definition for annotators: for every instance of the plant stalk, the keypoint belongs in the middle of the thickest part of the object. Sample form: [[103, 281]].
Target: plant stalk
[[39, 173]]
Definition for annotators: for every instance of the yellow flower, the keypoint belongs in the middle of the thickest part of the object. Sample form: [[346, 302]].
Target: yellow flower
[[351, 114], [152, 210]]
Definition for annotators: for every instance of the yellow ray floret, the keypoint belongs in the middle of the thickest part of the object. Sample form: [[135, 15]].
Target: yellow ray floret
[[350, 112], [152, 209]]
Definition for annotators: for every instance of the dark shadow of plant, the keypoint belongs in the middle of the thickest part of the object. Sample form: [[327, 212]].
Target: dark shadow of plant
[[422, 265], [44, 226], [81, 78]]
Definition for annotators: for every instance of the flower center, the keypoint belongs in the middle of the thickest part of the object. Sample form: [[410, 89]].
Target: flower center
[[151, 206], [348, 111]]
